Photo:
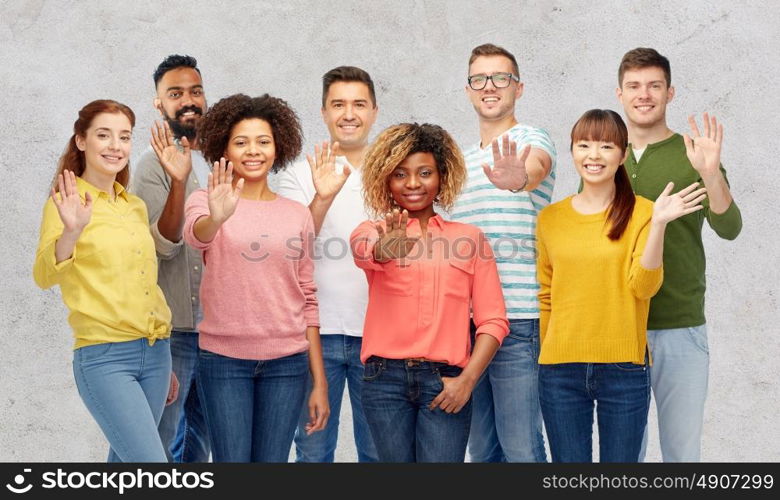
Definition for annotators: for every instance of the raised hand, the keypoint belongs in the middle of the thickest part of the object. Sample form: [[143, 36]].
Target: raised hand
[[177, 163], [223, 197], [327, 181], [704, 150], [74, 214], [669, 207], [508, 170], [393, 242]]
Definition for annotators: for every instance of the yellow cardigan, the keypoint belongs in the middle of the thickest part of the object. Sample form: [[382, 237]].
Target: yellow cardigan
[[594, 294]]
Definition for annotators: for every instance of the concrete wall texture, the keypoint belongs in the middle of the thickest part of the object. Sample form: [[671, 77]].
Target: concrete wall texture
[[58, 55]]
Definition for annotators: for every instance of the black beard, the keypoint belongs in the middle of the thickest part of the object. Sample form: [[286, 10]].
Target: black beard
[[178, 128], [181, 130]]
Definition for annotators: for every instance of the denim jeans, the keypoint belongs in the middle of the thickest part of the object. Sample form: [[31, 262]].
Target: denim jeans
[[124, 386], [341, 356], [621, 394], [252, 407], [679, 375], [396, 395], [507, 422], [183, 427]]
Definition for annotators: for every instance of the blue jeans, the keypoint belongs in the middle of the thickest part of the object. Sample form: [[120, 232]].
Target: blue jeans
[[507, 422], [252, 407], [396, 395], [341, 355], [183, 426], [679, 375], [124, 386], [568, 393]]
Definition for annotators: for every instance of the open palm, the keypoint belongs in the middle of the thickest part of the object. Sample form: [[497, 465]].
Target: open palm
[[668, 207], [74, 214], [508, 170], [703, 150], [393, 242], [176, 162], [223, 197], [327, 181]]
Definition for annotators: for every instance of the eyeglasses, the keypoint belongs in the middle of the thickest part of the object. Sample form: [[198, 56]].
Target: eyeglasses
[[500, 80]]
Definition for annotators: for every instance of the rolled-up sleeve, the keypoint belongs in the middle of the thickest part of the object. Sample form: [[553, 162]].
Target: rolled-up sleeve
[[47, 272], [489, 311], [362, 242]]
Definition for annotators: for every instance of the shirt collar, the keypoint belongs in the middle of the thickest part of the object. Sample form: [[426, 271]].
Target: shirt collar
[[85, 187]]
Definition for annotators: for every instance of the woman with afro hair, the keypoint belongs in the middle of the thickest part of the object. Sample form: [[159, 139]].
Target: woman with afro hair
[[259, 337], [425, 274]]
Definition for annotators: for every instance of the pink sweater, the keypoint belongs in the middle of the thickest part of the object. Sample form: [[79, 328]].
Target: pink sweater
[[257, 290]]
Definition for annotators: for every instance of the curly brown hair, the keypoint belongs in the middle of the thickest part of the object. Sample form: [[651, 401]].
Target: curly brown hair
[[393, 145], [215, 128]]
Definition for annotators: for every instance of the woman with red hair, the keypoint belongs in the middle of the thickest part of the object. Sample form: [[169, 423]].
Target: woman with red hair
[[95, 243]]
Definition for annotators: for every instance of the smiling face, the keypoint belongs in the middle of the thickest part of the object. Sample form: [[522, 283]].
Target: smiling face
[[181, 100], [644, 95], [491, 103], [106, 144], [597, 161], [414, 184], [349, 113], [251, 148]]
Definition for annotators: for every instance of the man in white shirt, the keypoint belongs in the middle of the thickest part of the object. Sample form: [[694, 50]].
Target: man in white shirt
[[329, 184]]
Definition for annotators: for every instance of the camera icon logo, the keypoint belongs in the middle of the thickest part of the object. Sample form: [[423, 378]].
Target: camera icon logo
[[19, 480]]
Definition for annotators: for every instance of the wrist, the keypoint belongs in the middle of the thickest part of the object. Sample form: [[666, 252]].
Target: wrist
[[660, 224], [522, 187], [323, 200], [72, 233]]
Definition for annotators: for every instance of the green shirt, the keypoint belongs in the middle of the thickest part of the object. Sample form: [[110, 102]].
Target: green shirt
[[680, 301]]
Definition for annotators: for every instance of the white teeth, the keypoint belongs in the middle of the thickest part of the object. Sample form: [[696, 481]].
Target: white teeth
[[490, 99], [644, 108], [593, 168]]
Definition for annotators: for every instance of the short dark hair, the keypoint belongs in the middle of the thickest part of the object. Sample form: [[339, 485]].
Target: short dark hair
[[644, 57], [174, 61], [347, 74], [489, 49], [218, 122]]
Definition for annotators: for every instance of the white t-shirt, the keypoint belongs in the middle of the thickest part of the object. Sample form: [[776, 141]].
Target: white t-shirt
[[342, 289]]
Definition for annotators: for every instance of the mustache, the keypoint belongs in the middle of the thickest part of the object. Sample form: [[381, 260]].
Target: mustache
[[197, 110]]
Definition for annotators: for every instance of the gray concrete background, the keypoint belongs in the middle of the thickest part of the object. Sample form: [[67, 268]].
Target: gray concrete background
[[57, 56]]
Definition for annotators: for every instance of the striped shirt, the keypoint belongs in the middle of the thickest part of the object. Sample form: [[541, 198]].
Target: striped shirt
[[509, 220]]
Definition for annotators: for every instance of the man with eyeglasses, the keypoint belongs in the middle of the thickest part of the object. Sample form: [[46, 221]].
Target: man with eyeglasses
[[511, 173]]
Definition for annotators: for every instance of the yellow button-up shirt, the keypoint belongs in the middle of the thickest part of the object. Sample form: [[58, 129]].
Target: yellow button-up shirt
[[110, 282]]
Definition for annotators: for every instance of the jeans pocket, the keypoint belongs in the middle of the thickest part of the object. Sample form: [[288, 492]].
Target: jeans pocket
[[446, 371], [698, 335], [93, 352], [372, 370], [629, 367]]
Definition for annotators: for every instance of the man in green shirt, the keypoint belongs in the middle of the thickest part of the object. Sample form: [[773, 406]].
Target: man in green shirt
[[677, 334]]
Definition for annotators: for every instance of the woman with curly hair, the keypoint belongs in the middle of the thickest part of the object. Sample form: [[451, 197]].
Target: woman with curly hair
[[259, 337], [424, 275], [95, 244]]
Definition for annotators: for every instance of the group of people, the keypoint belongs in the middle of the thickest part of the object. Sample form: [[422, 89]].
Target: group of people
[[462, 310]]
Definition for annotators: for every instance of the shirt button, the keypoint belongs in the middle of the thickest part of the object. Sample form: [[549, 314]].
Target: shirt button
[[142, 272], [193, 298], [195, 182], [633, 176], [138, 252]]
